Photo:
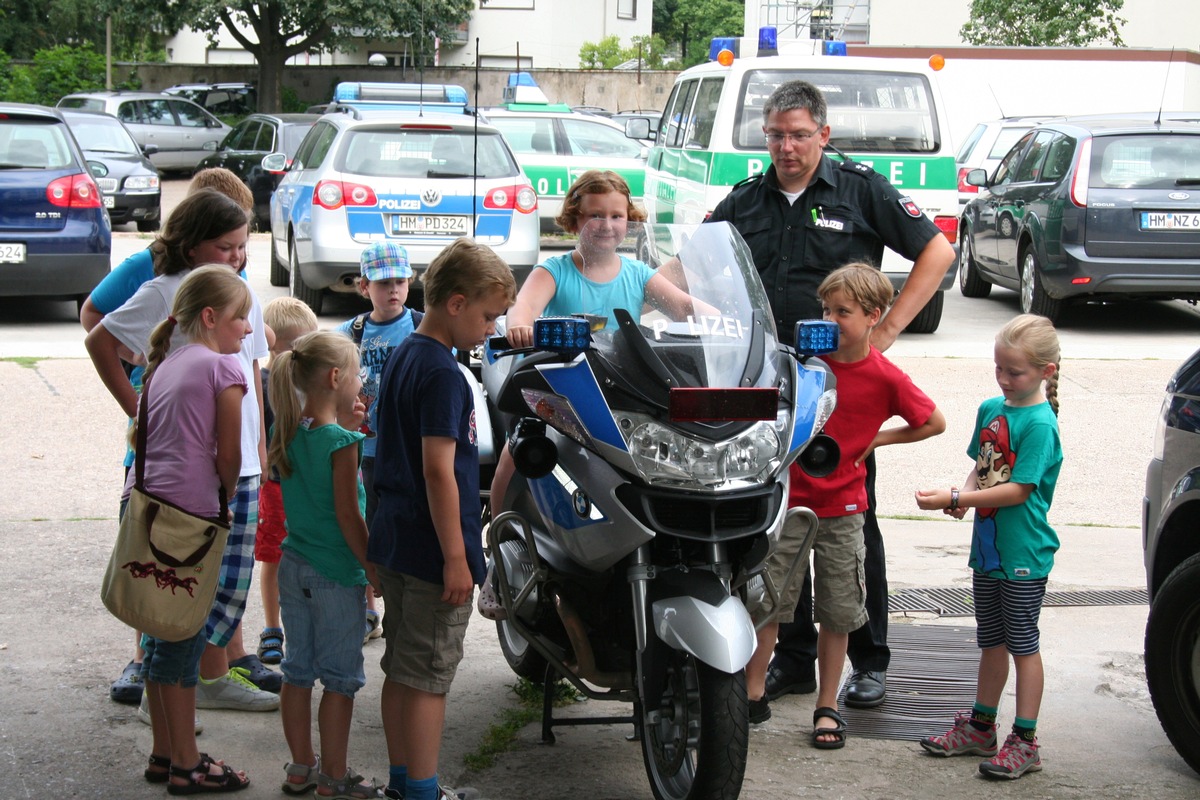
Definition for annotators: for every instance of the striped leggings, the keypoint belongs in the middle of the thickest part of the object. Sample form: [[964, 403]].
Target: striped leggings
[[1007, 612]]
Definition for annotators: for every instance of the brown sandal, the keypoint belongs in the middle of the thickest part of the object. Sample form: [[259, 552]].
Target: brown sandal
[[839, 731], [159, 770], [200, 780]]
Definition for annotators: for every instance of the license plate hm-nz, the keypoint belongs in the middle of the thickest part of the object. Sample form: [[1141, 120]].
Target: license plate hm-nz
[[1170, 221]]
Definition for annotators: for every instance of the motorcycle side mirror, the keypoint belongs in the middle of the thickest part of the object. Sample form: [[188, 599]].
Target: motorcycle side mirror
[[821, 457], [534, 455]]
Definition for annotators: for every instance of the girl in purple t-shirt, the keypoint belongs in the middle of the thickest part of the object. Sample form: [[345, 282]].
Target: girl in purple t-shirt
[[193, 449]]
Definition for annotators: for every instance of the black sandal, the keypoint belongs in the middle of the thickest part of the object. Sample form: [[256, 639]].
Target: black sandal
[[199, 779], [839, 731], [154, 775]]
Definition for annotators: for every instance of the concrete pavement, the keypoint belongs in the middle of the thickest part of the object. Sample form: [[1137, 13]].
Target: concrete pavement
[[59, 649]]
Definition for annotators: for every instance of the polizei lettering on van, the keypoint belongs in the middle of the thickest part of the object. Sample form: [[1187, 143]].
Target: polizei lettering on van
[[881, 113]]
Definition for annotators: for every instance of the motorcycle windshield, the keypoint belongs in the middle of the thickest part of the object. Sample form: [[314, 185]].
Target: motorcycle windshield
[[685, 306]]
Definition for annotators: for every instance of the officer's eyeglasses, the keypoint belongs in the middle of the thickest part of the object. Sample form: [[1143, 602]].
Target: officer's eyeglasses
[[775, 137]]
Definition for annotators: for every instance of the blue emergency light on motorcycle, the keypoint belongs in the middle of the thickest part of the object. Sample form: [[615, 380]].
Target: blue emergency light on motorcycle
[[567, 335], [816, 336]]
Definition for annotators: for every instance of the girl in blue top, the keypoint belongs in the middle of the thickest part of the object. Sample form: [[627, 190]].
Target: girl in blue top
[[316, 449], [593, 278], [1017, 455]]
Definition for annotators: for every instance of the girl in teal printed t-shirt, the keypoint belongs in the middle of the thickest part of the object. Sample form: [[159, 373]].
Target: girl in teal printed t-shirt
[[316, 449], [1017, 455]]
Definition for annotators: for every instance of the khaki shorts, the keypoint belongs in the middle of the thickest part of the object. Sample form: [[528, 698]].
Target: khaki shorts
[[778, 563], [424, 636], [839, 574]]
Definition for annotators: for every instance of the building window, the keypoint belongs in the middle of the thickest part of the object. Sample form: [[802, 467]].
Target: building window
[[626, 9]]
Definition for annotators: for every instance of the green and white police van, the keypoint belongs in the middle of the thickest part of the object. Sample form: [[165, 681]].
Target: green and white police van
[[883, 112], [556, 145]]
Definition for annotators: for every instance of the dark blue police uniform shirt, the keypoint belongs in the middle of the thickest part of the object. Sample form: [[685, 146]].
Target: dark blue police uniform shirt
[[848, 213]]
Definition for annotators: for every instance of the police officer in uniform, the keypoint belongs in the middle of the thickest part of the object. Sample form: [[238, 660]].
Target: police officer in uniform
[[803, 218]]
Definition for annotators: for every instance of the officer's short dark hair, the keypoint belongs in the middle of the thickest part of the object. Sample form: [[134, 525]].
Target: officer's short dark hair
[[797, 95]]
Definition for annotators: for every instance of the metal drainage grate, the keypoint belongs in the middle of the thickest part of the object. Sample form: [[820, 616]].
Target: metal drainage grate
[[932, 675], [958, 602]]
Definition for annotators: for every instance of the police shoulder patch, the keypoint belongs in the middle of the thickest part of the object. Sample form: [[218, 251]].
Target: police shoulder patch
[[751, 179], [857, 166], [910, 207]]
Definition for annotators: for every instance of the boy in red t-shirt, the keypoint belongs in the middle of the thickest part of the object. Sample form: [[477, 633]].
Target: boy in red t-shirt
[[871, 390]]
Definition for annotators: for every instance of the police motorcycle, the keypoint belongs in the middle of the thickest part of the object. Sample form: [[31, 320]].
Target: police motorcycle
[[652, 462]]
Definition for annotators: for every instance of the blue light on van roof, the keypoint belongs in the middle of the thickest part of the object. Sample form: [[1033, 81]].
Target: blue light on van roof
[[833, 48], [768, 40]]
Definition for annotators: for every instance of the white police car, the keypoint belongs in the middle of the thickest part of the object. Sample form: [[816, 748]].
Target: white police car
[[399, 162]]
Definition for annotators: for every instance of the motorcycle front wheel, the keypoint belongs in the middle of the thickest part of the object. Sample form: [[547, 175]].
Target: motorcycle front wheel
[[694, 743]]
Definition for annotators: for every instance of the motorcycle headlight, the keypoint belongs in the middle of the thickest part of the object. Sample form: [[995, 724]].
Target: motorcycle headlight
[[665, 456], [141, 182]]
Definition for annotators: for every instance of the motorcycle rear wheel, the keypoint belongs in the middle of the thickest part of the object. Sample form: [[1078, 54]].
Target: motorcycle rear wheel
[[694, 747]]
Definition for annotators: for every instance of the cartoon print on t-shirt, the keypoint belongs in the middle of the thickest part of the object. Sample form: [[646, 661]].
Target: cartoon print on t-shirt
[[375, 350], [993, 466]]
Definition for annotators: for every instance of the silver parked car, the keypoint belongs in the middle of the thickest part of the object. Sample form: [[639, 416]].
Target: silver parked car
[[179, 128]]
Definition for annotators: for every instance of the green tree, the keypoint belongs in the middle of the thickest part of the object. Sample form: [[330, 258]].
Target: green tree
[[280, 29], [64, 69], [1044, 23], [694, 23], [651, 49], [54, 72], [27, 26], [608, 53], [604, 54]]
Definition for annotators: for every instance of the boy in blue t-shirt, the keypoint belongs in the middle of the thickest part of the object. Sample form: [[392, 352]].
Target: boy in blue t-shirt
[[384, 281], [426, 538]]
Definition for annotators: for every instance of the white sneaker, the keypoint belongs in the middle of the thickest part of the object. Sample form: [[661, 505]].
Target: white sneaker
[[143, 714], [234, 690]]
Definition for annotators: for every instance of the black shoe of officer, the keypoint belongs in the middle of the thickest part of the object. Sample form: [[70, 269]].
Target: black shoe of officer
[[867, 688], [781, 682]]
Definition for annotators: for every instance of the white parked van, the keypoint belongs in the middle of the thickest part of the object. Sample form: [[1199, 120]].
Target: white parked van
[[883, 112]]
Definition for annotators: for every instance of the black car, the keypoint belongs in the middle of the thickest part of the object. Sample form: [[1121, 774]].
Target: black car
[[243, 149], [55, 239], [128, 182], [1088, 208], [1171, 538]]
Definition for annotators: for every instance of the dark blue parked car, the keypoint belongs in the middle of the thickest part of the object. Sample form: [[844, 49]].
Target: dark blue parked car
[[55, 237]]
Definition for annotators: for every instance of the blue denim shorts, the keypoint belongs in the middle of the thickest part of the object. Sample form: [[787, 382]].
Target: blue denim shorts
[[324, 624], [173, 663]]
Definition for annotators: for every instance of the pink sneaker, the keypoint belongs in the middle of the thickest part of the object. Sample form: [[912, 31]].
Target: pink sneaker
[[1014, 759], [963, 739]]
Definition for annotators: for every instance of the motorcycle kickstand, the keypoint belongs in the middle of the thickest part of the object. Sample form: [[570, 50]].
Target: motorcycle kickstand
[[549, 688]]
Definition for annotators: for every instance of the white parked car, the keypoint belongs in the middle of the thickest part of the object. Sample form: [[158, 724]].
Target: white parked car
[[421, 179], [984, 147]]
